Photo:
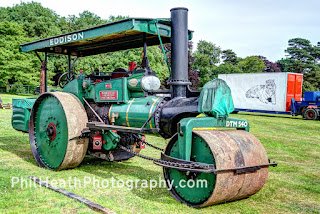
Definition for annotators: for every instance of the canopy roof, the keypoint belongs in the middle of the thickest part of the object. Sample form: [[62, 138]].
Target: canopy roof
[[115, 36]]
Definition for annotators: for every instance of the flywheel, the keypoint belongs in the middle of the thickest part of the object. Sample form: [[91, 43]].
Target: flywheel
[[225, 149], [56, 120]]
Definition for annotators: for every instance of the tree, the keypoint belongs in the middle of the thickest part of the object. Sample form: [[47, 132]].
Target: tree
[[85, 20], [300, 49], [311, 80], [205, 58], [252, 64], [303, 57], [229, 56], [14, 65], [287, 65], [315, 52], [270, 66], [304, 54], [209, 52], [192, 75], [36, 20], [227, 68]]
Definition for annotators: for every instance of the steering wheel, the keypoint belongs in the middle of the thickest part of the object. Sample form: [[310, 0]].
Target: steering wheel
[[65, 78]]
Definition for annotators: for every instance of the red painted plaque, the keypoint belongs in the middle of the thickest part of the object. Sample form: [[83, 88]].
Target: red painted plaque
[[108, 85], [108, 95]]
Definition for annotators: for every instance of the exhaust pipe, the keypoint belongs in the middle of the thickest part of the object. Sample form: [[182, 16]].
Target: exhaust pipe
[[179, 52]]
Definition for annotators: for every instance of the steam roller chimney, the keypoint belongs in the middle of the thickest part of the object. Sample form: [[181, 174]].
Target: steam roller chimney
[[179, 52]]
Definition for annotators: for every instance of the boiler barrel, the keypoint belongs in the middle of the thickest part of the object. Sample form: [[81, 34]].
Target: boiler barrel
[[136, 112]]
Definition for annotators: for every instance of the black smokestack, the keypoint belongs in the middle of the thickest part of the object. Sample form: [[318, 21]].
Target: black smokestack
[[179, 51]]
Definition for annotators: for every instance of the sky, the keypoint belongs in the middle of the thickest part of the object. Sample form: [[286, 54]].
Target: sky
[[248, 27]]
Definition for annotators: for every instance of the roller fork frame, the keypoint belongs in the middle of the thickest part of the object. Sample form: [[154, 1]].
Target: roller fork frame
[[186, 125]]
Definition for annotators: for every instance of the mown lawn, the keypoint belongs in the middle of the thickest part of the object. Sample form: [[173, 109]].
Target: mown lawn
[[292, 187]]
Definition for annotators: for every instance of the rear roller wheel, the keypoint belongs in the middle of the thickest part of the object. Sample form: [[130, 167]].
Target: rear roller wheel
[[224, 149], [56, 119]]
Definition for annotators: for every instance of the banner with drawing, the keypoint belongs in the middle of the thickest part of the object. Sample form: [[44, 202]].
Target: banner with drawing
[[258, 91]]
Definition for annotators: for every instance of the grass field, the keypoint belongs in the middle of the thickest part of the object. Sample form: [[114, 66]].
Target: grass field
[[292, 187]]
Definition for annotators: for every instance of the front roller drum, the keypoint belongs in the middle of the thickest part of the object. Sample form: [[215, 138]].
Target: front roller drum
[[225, 149], [56, 120]]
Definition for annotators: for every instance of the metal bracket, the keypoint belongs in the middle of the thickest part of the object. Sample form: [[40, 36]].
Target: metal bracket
[[103, 126]]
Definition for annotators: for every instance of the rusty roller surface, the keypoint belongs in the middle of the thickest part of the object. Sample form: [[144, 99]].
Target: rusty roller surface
[[77, 120], [231, 149]]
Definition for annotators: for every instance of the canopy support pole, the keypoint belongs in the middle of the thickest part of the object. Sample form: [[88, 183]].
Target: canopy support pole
[[43, 73]]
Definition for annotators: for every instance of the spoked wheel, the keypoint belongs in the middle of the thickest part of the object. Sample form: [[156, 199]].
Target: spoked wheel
[[56, 119], [311, 114], [224, 149]]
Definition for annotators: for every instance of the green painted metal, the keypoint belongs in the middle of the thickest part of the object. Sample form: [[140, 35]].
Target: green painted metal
[[89, 90], [186, 125], [110, 140], [136, 94], [200, 152], [113, 91], [136, 112], [21, 108], [120, 35], [75, 87], [134, 82], [52, 152]]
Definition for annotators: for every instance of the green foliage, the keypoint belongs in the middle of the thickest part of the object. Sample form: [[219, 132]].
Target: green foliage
[[36, 20], [300, 49], [120, 59], [17, 88], [227, 68], [205, 58], [287, 65], [303, 57], [252, 64], [14, 65], [86, 19], [207, 54], [311, 80], [229, 56]]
